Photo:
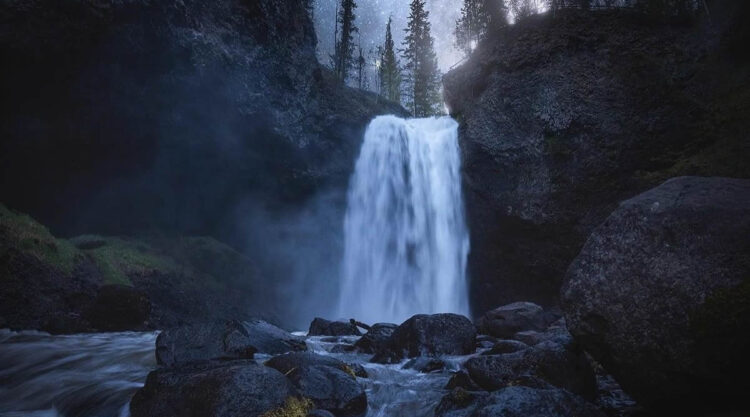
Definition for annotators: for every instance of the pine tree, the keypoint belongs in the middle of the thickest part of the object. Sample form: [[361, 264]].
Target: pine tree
[[422, 75], [344, 49], [472, 25], [388, 70], [360, 69]]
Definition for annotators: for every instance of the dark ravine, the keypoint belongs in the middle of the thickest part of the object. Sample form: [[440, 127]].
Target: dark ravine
[[562, 118]]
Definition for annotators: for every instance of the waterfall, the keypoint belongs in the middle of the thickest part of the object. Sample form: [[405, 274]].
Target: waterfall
[[405, 235]]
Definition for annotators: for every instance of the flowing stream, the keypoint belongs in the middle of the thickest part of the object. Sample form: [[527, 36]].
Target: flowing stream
[[95, 375], [405, 235], [86, 375]]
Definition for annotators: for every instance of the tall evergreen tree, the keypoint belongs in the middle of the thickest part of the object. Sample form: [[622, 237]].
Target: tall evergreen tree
[[421, 70], [472, 24], [360, 69], [344, 49], [389, 71]]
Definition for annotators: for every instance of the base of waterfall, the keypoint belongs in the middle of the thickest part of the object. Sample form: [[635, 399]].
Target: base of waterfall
[[429, 365]]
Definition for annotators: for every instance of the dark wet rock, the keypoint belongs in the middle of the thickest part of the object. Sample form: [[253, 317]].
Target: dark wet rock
[[563, 366], [529, 337], [505, 321], [516, 402], [377, 338], [506, 346], [270, 339], [221, 389], [119, 307], [342, 348], [222, 340], [358, 369], [564, 116], [660, 294], [430, 335], [328, 382], [323, 327], [461, 379], [319, 413], [425, 364], [485, 341]]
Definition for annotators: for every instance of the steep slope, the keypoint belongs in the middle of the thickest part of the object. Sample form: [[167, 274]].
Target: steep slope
[[563, 117]]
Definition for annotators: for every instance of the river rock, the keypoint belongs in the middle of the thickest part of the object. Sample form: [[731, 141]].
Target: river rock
[[515, 402], [505, 321], [659, 294], [270, 339], [213, 389], [328, 382], [323, 327], [425, 365], [222, 340], [376, 339], [506, 346], [430, 335], [562, 366]]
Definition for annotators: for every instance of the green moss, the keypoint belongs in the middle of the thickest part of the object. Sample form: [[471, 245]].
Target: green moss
[[293, 407], [119, 259], [348, 369], [21, 232]]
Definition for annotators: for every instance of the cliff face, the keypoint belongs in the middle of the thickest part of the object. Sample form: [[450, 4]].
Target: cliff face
[[562, 118], [169, 115]]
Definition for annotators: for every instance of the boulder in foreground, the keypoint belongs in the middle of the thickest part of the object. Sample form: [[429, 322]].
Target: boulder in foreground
[[223, 340], [430, 335], [515, 402], [660, 294], [328, 382], [217, 389]]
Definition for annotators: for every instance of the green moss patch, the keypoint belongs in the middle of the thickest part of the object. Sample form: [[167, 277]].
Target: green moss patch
[[293, 407], [22, 233], [119, 259]]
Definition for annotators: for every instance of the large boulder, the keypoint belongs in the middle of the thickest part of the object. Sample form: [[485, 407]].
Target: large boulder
[[430, 335], [328, 382], [215, 389], [660, 294], [376, 339], [505, 321], [222, 340], [562, 366], [516, 402], [323, 327], [564, 115]]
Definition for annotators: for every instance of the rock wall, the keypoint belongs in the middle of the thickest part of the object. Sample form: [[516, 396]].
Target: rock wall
[[169, 115], [563, 117]]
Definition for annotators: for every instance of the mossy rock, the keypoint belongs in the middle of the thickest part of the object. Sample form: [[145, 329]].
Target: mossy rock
[[22, 233], [293, 407]]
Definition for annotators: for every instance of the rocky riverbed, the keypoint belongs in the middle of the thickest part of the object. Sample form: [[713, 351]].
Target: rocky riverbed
[[428, 365]]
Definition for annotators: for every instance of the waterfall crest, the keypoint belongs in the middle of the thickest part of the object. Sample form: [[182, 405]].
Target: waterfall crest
[[405, 234]]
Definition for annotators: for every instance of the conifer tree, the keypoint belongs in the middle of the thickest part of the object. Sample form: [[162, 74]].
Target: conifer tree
[[472, 24], [344, 48], [388, 70], [421, 72]]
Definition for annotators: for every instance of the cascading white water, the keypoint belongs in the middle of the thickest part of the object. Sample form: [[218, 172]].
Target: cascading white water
[[405, 235]]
